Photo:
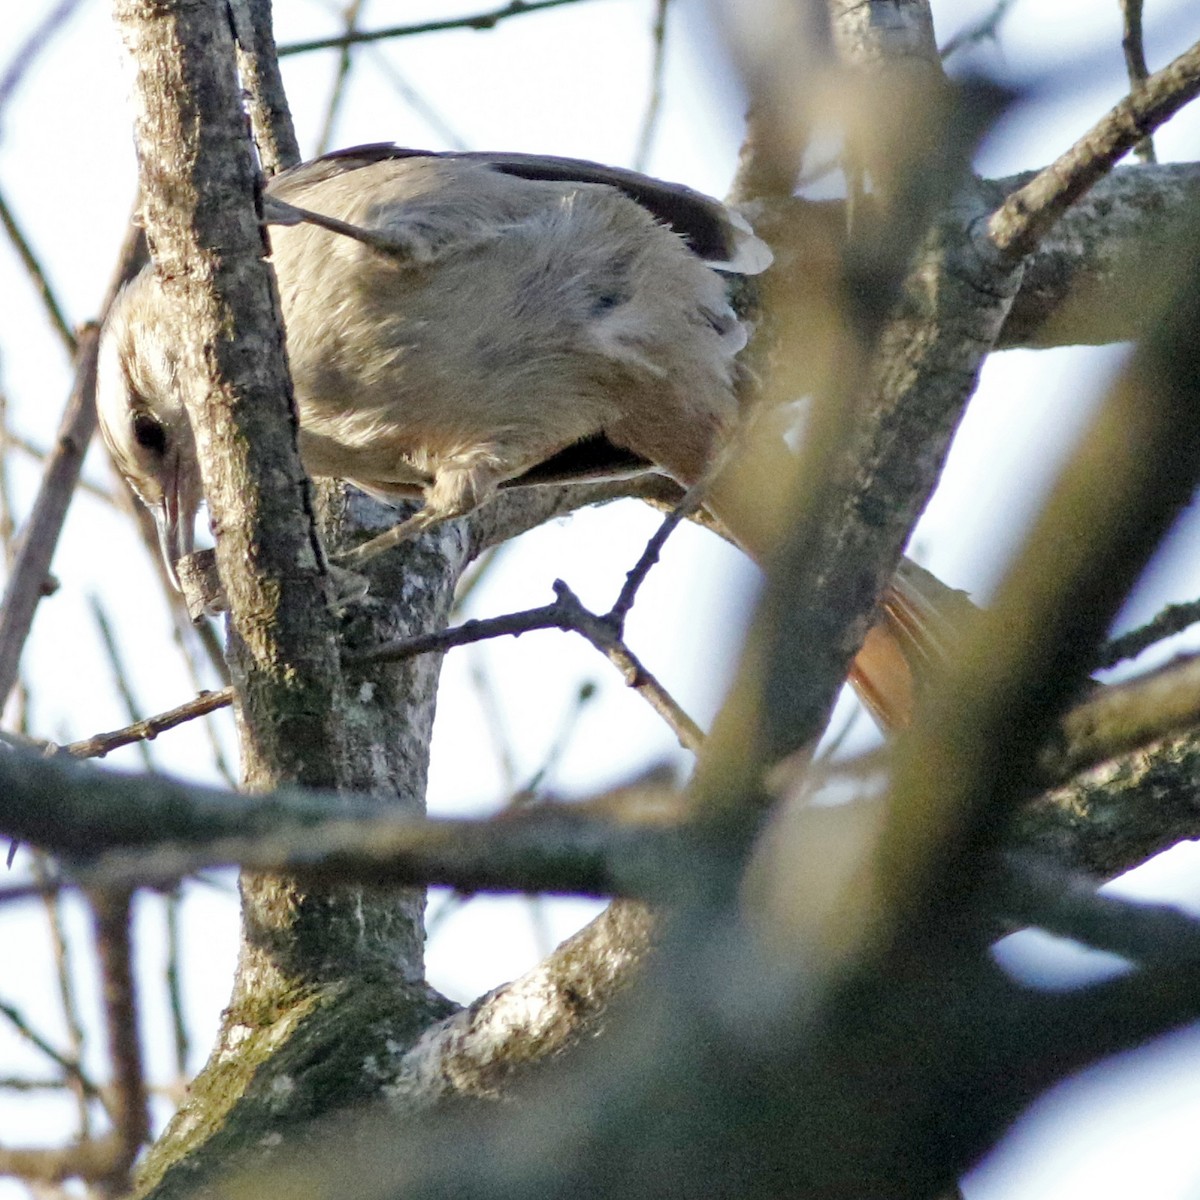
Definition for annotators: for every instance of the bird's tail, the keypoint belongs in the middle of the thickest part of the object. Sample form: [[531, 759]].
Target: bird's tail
[[921, 621]]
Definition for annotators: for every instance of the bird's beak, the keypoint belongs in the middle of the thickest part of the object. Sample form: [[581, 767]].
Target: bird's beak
[[175, 523]]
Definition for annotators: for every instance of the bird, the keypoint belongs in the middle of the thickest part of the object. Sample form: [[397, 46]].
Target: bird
[[458, 322]]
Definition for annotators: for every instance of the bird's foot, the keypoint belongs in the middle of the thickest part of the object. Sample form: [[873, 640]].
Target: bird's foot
[[350, 589]]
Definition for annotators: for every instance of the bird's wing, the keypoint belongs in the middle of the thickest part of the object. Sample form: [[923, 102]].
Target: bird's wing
[[717, 234]]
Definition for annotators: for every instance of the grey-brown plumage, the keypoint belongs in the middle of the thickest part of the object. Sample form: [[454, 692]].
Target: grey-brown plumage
[[460, 322], [480, 317]]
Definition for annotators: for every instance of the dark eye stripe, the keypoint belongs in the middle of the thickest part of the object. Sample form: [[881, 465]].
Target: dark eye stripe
[[148, 433]]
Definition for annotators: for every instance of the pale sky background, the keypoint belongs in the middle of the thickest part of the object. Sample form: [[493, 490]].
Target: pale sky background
[[572, 81]]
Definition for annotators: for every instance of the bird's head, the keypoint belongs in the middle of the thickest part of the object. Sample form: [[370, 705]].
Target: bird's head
[[142, 416]]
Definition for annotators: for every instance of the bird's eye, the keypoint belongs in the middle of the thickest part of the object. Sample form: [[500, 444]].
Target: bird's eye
[[149, 433]]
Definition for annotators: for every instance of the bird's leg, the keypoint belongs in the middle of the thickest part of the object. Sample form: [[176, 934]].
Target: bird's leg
[[460, 486], [360, 555]]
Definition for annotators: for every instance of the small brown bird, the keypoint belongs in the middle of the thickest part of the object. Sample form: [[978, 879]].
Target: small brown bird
[[461, 322]]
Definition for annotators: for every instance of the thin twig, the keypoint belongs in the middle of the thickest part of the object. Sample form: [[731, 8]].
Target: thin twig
[[7, 523], [1134, 46], [171, 905], [493, 714], [479, 571], [66, 988], [100, 744], [568, 614], [28, 51], [19, 1083], [185, 634], [445, 132], [1172, 619], [38, 277], [1023, 219], [26, 581], [341, 75], [147, 729], [120, 675], [70, 1068], [654, 102], [518, 797], [982, 31], [691, 500], [40, 454], [584, 695], [481, 21]]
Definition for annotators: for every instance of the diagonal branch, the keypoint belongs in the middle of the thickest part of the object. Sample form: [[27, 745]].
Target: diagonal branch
[[1024, 218], [40, 535], [37, 275]]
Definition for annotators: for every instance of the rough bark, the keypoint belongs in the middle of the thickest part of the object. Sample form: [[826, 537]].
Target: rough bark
[[306, 952], [782, 1082]]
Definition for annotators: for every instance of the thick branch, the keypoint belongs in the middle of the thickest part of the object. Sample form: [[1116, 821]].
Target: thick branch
[[554, 848], [199, 196], [258, 66], [1086, 282], [972, 761]]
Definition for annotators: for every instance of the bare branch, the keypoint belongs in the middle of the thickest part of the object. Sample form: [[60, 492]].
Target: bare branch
[[475, 1051], [1125, 717], [258, 67], [71, 1069], [126, 1098], [172, 901], [40, 535], [445, 132], [66, 990], [658, 35], [94, 1160], [147, 729], [1035, 892], [481, 21], [1087, 281], [603, 848], [340, 79], [1134, 47], [1023, 219], [1173, 619], [37, 275], [568, 614], [1135, 470]]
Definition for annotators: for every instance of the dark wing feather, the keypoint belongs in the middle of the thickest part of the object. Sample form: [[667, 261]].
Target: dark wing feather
[[708, 227]]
